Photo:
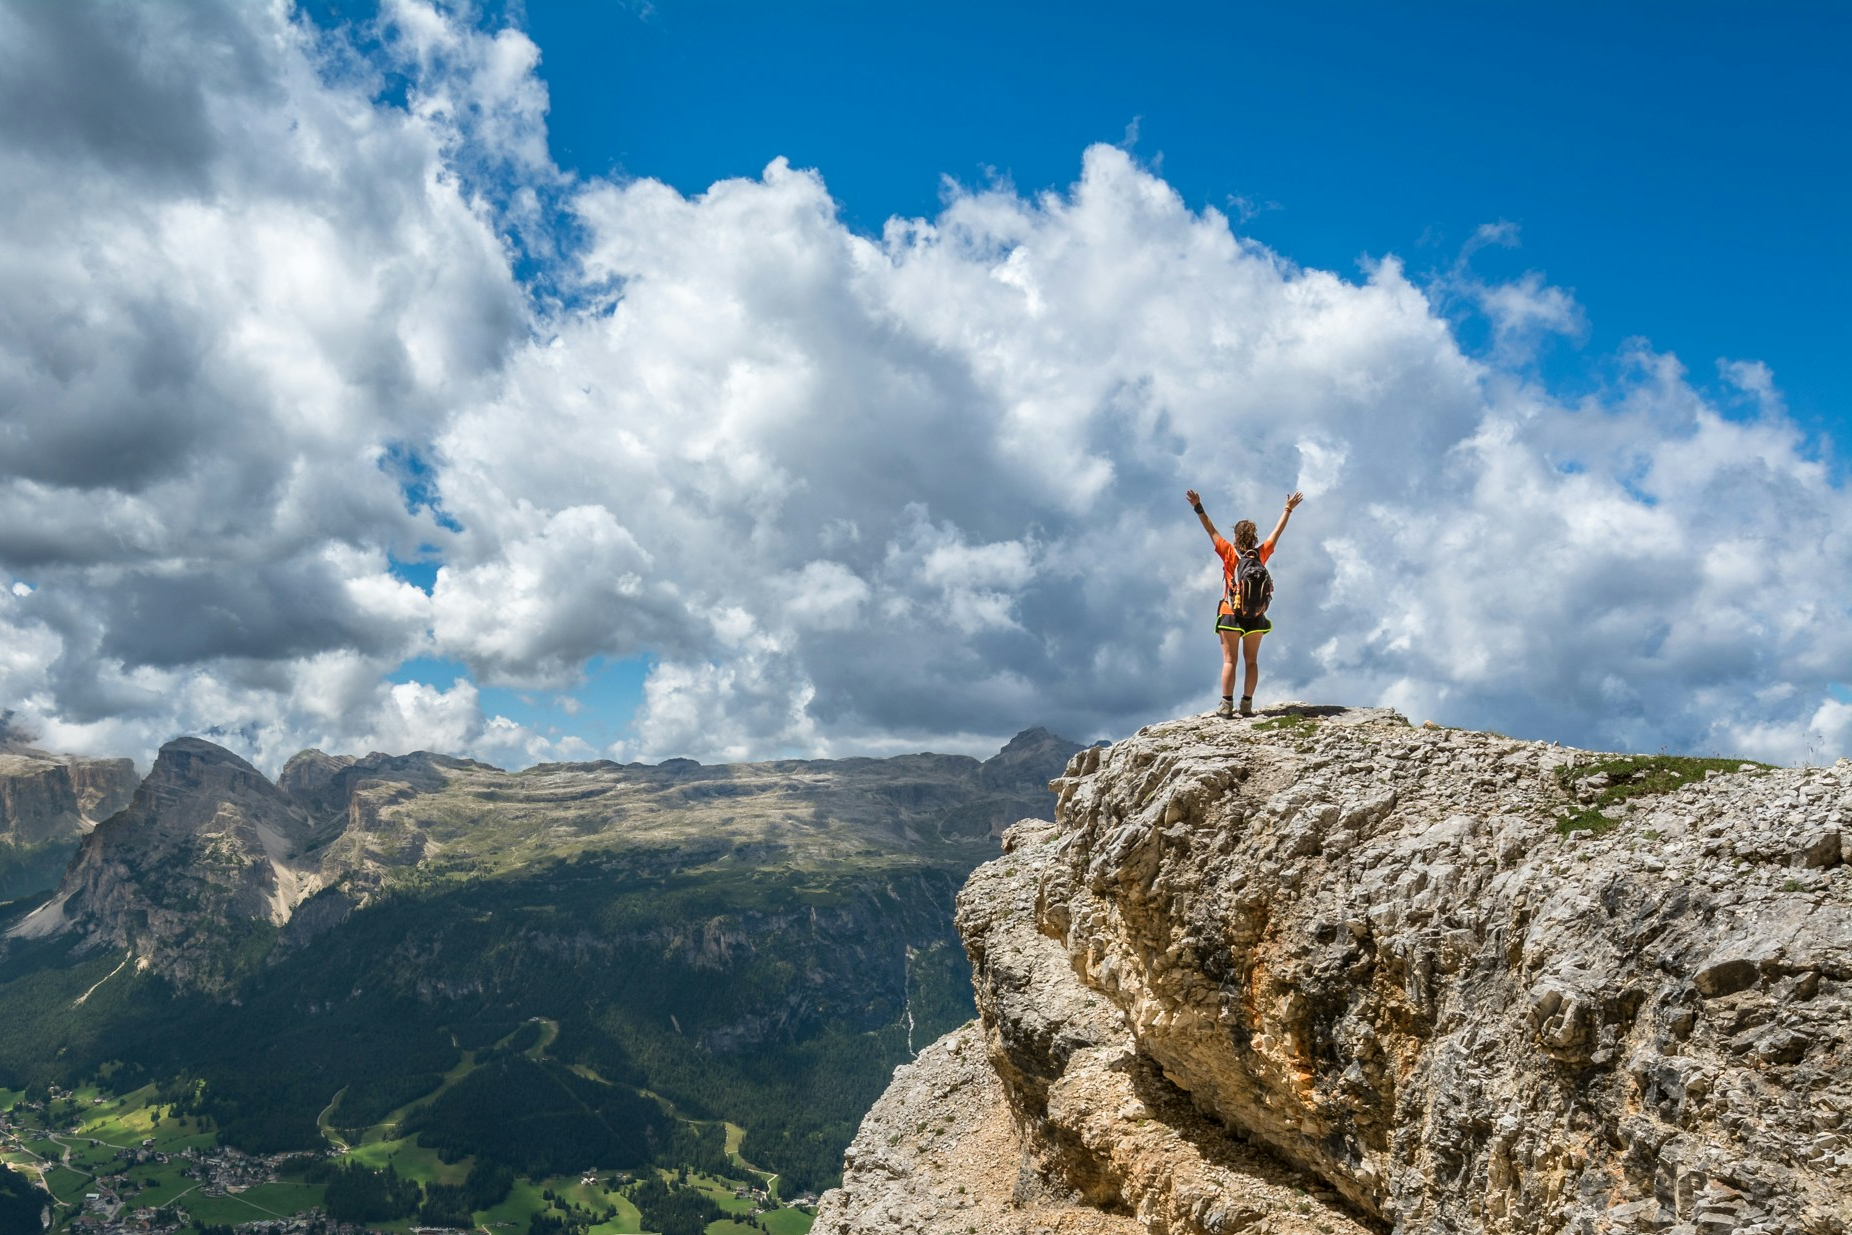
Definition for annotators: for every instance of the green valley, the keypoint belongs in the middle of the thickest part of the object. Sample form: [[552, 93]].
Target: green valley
[[105, 1158], [418, 991]]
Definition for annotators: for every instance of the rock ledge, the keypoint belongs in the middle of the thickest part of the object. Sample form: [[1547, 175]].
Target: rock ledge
[[1322, 971]]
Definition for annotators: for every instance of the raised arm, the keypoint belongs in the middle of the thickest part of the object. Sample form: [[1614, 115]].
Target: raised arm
[[1196, 503], [1293, 500]]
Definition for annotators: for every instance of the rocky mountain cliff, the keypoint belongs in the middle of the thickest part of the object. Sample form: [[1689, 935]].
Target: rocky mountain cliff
[[1323, 972], [206, 849], [210, 863], [45, 797], [47, 803]]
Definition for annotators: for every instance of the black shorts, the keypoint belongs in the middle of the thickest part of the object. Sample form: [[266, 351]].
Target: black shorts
[[1243, 625]]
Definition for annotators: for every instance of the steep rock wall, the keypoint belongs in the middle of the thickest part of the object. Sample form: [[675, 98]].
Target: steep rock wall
[[206, 849], [1329, 953], [47, 804], [46, 798]]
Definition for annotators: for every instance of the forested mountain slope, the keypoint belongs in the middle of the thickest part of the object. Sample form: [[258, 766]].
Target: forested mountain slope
[[759, 942]]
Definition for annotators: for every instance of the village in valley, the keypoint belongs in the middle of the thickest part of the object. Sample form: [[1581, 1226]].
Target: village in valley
[[104, 1180], [124, 1165]]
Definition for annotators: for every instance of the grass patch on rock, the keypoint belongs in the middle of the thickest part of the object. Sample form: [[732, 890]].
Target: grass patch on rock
[[1598, 785], [1292, 723]]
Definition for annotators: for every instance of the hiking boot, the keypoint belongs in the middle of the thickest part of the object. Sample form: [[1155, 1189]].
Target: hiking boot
[[1247, 705], [1225, 708]]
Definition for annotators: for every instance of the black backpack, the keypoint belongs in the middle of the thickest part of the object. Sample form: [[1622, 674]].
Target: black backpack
[[1250, 590]]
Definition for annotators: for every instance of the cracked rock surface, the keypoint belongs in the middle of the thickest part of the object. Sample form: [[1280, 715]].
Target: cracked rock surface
[[1325, 971]]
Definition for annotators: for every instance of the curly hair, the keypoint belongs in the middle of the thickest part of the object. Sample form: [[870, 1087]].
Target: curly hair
[[1246, 535]]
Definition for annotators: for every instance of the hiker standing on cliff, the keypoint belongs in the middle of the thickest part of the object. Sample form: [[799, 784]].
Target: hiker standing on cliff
[[1247, 587]]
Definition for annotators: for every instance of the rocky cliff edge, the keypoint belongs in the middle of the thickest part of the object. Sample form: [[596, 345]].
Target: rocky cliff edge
[[1321, 971], [47, 798], [48, 803]]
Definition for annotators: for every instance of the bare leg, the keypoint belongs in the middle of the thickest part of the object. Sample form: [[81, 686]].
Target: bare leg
[[1231, 643], [1250, 653]]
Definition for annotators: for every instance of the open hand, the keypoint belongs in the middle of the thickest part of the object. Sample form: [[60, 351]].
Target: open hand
[[1195, 499], [1293, 500]]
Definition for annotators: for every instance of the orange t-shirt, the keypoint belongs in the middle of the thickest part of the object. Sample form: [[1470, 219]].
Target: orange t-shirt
[[1231, 559]]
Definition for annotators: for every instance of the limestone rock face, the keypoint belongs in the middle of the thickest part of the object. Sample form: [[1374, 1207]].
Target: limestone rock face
[[1321, 970], [47, 803], [46, 798], [940, 1152], [207, 847], [314, 781]]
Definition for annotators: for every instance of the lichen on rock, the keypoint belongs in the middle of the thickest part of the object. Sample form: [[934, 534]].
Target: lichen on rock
[[1326, 971]]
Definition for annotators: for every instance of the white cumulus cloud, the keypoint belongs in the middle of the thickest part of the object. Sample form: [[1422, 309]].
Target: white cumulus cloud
[[846, 492]]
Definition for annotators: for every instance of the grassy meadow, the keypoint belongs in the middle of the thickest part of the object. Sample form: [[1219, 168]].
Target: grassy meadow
[[80, 1137]]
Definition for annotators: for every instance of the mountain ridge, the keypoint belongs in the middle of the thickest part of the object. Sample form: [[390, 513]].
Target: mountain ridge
[[209, 849], [1323, 971], [759, 943], [226, 845]]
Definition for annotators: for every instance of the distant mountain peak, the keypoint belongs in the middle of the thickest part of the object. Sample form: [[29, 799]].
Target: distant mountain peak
[[1028, 761], [210, 850], [208, 845], [48, 803], [200, 748]]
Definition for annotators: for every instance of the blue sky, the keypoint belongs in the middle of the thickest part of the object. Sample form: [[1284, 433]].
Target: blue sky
[[1684, 168], [597, 710], [639, 379], [1681, 169]]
